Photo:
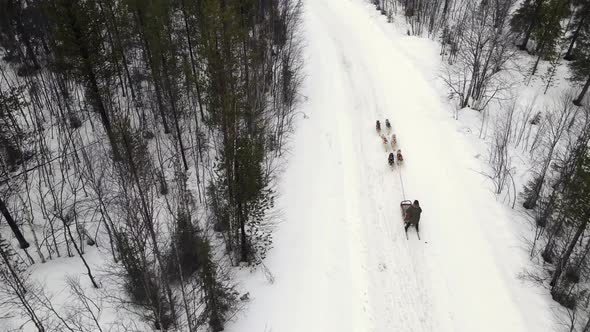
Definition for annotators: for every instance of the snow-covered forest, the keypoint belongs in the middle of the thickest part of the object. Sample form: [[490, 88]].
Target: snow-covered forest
[[209, 165], [140, 142]]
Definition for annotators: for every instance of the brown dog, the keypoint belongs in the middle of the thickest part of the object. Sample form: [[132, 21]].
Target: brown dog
[[400, 158], [385, 142]]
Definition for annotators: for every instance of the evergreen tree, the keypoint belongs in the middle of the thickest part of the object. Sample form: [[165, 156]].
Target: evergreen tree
[[186, 255], [576, 202], [23, 29], [79, 49], [12, 137], [525, 19], [581, 19], [12, 133], [219, 298], [151, 22], [539, 19], [548, 30], [140, 281], [580, 66]]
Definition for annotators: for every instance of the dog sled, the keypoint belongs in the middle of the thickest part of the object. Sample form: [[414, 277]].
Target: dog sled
[[404, 206]]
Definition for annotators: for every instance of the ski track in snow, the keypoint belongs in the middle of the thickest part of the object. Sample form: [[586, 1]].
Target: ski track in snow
[[342, 261]]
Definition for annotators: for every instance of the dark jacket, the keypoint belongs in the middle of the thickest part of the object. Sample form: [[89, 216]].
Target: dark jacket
[[414, 213]]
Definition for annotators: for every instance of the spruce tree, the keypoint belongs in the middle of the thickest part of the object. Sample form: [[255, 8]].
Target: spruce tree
[[581, 19], [12, 133], [580, 66], [12, 155], [79, 50], [525, 19], [219, 298], [548, 30], [576, 202], [23, 32]]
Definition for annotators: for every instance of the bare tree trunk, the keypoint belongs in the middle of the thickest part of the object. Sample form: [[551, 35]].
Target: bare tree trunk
[[19, 236], [175, 111], [566, 256], [119, 46], [536, 65], [193, 62], [152, 66], [529, 31], [578, 101], [568, 55], [67, 227]]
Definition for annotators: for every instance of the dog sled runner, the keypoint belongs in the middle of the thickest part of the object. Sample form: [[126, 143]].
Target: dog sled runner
[[404, 206]]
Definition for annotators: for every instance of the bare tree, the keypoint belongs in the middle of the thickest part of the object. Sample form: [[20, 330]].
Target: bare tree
[[558, 121], [499, 159], [482, 48], [86, 311], [15, 287]]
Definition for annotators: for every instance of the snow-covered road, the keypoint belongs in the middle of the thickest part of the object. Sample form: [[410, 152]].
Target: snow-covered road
[[341, 260]]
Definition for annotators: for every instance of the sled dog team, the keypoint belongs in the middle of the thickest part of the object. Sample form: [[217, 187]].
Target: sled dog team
[[391, 142], [411, 211]]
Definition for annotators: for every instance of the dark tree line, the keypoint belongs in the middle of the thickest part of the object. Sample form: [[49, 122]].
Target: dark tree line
[[144, 128]]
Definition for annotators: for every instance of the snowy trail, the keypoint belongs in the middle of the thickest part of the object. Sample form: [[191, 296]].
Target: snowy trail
[[342, 261]]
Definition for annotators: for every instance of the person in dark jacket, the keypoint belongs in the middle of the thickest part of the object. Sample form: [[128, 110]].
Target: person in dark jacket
[[413, 216]]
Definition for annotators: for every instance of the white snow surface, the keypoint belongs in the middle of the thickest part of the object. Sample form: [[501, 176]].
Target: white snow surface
[[341, 260]]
